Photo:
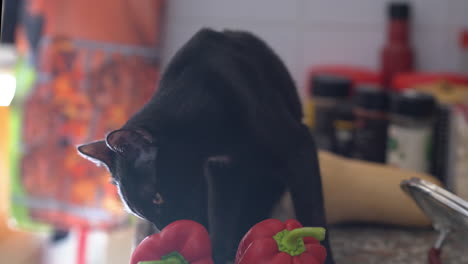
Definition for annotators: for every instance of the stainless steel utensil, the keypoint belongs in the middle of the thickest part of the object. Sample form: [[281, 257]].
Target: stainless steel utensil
[[448, 212]]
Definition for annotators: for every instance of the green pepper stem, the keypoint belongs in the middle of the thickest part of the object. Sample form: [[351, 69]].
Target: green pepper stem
[[290, 239], [292, 242], [171, 258], [165, 261]]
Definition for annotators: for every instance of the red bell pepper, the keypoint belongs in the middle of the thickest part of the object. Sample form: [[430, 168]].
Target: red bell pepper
[[274, 242], [181, 242]]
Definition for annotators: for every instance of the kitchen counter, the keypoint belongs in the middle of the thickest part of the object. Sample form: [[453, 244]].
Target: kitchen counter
[[374, 244]]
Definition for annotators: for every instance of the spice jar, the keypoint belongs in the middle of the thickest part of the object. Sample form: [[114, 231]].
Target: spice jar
[[371, 105], [410, 131], [328, 93]]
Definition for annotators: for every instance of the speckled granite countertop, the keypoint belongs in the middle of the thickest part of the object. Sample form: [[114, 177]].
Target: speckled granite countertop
[[372, 244]]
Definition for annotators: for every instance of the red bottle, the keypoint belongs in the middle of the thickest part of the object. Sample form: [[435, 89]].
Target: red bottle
[[397, 55]]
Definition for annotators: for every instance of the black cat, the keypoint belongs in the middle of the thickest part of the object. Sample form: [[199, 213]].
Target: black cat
[[219, 143]]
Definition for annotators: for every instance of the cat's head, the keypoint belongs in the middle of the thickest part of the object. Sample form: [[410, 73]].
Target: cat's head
[[130, 156]]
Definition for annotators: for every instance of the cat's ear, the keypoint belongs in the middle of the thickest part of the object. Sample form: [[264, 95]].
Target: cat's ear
[[137, 145], [97, 152]]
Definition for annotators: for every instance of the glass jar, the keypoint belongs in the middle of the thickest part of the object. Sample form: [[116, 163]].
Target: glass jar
[[370, 124], [328, 93], [410, 131]]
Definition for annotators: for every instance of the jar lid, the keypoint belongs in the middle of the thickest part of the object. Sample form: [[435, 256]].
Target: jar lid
[[413, 104], [372, 97], [331, 86], [399, 10]]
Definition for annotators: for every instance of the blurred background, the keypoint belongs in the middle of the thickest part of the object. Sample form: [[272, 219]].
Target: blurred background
[[383, 86]]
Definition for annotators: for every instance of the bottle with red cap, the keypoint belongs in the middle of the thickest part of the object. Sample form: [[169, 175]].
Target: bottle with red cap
[[397, 54]]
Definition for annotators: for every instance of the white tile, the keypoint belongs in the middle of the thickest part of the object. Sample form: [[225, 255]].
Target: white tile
[[175, 35], [458, 12], [432, 50], [454, 51], [360, 48], [339, 11], [241, 9], [179, 31], [351, 47], [375, 12], [430, 12], [311, 32], [283, 39]]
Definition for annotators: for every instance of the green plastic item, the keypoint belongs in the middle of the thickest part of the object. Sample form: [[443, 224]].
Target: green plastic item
[[25, 77]]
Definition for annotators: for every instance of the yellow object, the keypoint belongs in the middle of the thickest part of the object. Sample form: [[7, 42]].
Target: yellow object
[[445, 93], [343, 124], [4, 168], [360, 191], [15, 246], [22, 248], [309, 117]]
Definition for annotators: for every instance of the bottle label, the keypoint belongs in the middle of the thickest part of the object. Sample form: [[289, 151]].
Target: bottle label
[[343, 139], [409, 148], [370, 139]]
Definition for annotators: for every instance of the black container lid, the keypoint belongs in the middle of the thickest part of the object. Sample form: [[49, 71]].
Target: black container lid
[[331, 86], [399, 10], [413, 104], [372, 98]]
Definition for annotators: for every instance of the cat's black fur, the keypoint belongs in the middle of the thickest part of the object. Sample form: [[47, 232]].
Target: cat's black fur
[[219, 143]]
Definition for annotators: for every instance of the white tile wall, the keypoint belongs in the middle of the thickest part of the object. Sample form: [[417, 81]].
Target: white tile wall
[[432, 49], [343, 12], [240, 9], [310, 32], [430, 12], [341, 47], [458, 12]]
